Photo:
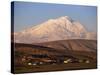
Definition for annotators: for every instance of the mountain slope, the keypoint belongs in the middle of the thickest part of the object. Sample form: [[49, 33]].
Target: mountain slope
[[86, 48], [71, 45], [54, 29]]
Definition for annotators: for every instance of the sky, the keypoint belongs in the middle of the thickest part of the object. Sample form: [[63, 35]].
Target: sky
[[28, 14]]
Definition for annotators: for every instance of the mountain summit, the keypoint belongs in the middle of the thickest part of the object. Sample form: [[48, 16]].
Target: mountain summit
[[54, 29]]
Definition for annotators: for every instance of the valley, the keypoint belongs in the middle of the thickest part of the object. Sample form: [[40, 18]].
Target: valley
[[34, 57]]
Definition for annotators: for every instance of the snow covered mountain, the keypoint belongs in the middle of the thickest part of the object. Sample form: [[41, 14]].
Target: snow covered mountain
[[54, 29]]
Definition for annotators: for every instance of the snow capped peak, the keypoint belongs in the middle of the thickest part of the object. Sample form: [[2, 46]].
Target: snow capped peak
[[54, 29], [63, 17], [66, 18]]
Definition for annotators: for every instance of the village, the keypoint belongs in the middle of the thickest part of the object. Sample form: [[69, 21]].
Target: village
[[44, 59]]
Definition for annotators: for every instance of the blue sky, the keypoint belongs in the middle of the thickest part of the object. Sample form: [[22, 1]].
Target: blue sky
[[28, 14]]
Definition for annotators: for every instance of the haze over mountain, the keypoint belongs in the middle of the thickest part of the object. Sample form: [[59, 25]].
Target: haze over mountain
[[62, 28]]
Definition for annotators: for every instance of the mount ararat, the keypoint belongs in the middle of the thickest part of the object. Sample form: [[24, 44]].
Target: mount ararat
[[62, 28]]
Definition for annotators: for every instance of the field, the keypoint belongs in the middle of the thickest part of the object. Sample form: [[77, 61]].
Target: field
[[55, 67]]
